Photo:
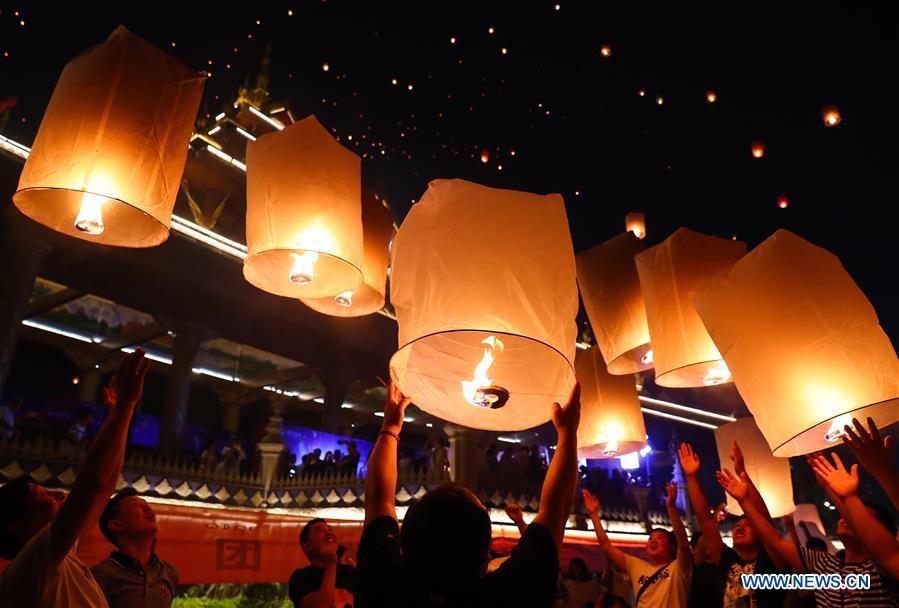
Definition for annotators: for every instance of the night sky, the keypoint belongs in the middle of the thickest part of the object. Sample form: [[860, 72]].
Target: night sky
[[552, 113]]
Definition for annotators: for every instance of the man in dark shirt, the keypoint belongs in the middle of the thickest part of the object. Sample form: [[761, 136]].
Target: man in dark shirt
[[440, 556], [133, 576], [324, 583]]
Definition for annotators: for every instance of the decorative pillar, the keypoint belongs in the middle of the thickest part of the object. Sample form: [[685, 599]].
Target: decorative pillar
[[466, 455], [270, 448], [22, 251], [186, 343], [231, 418]]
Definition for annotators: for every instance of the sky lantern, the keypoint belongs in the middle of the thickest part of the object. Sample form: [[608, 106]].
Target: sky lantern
[[635, 222], [485, 156], [771, 475], [610, 288], [611, 419], [605, 50], [758, 149], [711, 96], [304, 219], [684, 354], [377, 227], [483, 303], [803, 342], [110, 151], [831, 116]]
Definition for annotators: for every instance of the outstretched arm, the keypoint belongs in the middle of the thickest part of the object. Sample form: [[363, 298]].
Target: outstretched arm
[[324, 597], [380, 483], [100, 470], [883, 547], [689, 464], [615, 555], [781, 551], [739, 469], [684, 551], [876, 455], [513, 510], [561, 478]]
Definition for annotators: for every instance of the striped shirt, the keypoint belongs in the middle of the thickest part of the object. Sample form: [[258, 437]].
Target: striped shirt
[[884, 592]]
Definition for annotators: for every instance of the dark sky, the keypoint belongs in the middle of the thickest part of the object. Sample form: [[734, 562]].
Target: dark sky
[[573, 118]]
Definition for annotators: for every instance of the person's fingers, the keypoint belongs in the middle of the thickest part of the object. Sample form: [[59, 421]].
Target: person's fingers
[[853, 471], [556, 408], [875, 432], [888, 442], [838, 463], [142, 371], [849, 436], [862, 432], [575, 395]]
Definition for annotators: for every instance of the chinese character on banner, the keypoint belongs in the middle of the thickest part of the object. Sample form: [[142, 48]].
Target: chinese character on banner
[[233, 554]]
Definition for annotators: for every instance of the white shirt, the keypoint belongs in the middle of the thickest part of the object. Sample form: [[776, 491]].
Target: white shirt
[[36, 580], [668, 590]]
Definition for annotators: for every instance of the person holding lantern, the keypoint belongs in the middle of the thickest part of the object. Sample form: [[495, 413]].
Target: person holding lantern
[[440, 556]]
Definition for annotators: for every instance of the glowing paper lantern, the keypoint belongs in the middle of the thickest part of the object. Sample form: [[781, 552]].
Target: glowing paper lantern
[[483, 283], [831, 116], [377, 223], [611, 420], [803, 342], [758, 149], [304, 218], [770, 475], [683, 353], [610, 288], [108, 157], [635, 222]]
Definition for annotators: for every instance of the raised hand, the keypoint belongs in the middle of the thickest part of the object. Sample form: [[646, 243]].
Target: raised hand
[[875, 454], [738, 487], [841, 482], [128, 382], [591, 503], [110, 395], [513, 510], [736, 457], [721, 513], [566, 419], [395, 407], [671, 491], [689, 461]]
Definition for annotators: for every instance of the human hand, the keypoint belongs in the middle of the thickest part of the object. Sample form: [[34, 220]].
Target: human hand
[[110, 395], [127, 384], [841, 482], [591, 503], [671, 491], [513, 510], [721, 512], [689, 461], [328, 552], [566, 419], [394, 408], [736, 457], [738, 487], [875, 454]]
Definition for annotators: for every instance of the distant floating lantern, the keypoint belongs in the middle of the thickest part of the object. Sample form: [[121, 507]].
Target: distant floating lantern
[[635, 222], [831, 116], [377, 227], [611, 420], [482, 303], [641, 92], [110, 151], [711, 96], [605, 50], [610, 289], [758, 149], [660, 100], [684, 354], [485, 156], [304, 220], [782, 201], [803, 342], [771, 475]]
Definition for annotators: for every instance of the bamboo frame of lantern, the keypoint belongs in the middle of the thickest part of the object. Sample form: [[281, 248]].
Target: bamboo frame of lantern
[[611, 420], [110, 151], [377, 224], [683, 353], [770, 475], [304, 215], [483, 303], [610, 289], [803, 342]]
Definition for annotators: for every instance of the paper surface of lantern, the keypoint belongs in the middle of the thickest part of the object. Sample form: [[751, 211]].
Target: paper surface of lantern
[[635, 222], [771, 475], [683, 353], [483, 283], [377, 228], [611, 421], [610, 288], [803, 342], [304, 217], [109, 154]]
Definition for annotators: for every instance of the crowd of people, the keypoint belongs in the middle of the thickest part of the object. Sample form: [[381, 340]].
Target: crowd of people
[[441, 555]]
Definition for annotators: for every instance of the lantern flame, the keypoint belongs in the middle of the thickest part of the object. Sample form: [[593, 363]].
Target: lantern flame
[[303, 270], [473, 389], [344, 299], [831, 116], [90, 216], [717, 375], [836, 430], [647, 359]]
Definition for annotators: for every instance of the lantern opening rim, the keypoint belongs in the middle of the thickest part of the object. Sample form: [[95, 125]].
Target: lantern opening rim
[[84, 236], [360, 308], [689, 365], [267, 253], [632, 357], [624, 448]]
